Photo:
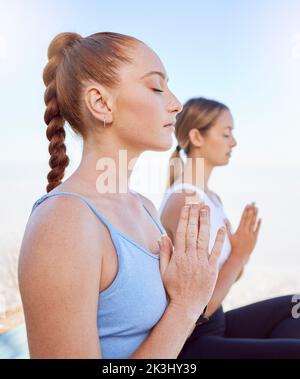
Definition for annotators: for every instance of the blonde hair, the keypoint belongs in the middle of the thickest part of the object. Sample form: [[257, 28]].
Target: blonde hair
[[197, 113]]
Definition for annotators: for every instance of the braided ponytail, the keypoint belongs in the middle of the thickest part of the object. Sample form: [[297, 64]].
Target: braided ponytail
[[53, 118], [73, 61]]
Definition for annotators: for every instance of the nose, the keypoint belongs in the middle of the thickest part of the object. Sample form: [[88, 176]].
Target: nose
[[175, 105], [234, 142]]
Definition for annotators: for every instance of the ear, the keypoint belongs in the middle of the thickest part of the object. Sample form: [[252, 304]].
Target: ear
[[99, 101], [196, 138]]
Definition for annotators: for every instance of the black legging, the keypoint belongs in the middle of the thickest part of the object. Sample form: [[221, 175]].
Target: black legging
[[261, 330]]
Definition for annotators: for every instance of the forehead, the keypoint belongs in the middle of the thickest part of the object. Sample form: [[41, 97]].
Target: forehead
[[144, 61], [224, 120]]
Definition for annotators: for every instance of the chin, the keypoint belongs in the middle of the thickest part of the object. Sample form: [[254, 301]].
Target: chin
[[225, 162], [162, 146]]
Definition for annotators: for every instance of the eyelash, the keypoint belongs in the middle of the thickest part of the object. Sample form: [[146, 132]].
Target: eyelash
[[226, 136], [157, 90]]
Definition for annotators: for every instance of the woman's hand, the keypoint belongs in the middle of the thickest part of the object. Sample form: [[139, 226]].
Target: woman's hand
[[189, 272], [244, 239]]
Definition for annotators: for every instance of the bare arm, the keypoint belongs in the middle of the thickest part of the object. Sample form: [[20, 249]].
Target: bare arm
[[242, 242], [59, 273], [168, 336], [228, 275]]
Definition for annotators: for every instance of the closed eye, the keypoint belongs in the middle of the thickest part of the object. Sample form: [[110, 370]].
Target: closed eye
[[157, 90]]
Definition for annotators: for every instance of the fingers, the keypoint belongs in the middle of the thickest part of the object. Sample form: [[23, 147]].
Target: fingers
[[166, 250], [169, 241], [180, 244], [254, 218], [256, 231], [218, 245], [192, 230], [244, 217], [249, 217], [204, 231], [228, 227]]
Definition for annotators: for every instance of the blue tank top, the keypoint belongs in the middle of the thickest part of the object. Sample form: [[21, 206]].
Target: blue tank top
[[135, 300]]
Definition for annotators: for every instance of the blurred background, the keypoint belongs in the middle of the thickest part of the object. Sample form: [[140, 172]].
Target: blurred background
[[243, 53]]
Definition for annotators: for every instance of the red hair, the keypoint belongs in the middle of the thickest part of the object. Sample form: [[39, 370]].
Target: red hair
[[72, 60]]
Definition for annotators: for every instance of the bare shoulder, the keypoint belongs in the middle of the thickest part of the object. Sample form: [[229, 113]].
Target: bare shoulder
[[150, 205], [62, 221], [177, 200], [172, 209], [59, 274]]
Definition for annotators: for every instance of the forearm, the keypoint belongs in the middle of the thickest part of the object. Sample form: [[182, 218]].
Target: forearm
[[228, 275], [168, 336], [240, 274]]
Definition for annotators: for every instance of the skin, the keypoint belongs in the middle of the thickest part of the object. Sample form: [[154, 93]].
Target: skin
[[67, 256], [215, 148]]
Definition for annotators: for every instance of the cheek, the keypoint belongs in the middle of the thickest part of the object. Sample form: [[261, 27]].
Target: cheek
[[218, 145], [140, 104], [216, 148]]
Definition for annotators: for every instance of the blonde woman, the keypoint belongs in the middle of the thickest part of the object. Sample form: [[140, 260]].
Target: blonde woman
[[267, 329]]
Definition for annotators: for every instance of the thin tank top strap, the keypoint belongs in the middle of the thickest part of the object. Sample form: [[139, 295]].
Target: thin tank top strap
[[154, 219], [90, 205], [157, 222]]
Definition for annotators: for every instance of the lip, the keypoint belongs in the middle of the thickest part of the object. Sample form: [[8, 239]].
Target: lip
[[228, 154], [170, 126]]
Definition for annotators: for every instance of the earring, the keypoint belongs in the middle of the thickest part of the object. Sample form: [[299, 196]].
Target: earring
[[104, 121]]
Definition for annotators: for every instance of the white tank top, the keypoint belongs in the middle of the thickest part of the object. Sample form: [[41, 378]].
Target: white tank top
[[217, 216]]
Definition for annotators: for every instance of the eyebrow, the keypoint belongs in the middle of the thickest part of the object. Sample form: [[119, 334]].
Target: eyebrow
[[229, 127], [161, 74]]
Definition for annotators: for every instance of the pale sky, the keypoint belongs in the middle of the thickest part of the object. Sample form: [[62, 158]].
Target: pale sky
[[243, 53]]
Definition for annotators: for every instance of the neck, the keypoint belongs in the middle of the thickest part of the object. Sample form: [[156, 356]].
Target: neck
[[197, 171], [106, 170]]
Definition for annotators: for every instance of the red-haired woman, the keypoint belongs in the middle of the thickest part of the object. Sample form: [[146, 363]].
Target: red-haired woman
[[94, 282]]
